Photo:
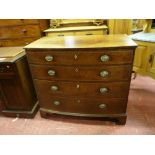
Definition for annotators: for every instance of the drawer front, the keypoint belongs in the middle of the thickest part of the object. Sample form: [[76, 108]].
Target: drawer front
[[20, 31], [82, 89], [81, 57], [75, 33], [6, 71], [90, 32], [59, 34], [17, 42], [11, 22], [84, 106], [100, 73]]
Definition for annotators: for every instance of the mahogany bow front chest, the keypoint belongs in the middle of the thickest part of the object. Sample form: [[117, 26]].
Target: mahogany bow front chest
[[82, 75]]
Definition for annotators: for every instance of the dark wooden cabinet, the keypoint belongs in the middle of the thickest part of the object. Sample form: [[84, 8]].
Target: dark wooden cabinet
[[17, 94], [82, 75]]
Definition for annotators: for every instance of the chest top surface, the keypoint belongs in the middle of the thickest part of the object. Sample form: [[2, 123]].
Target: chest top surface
[[11, 54], [82, 42]]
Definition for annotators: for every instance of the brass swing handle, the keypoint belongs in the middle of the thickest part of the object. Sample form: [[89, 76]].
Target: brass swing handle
[[51, 72]]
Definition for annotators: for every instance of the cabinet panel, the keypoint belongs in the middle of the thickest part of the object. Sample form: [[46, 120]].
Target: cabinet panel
[[151, 61], [144, 60], [14, 95], [120, 26], [139, 57]]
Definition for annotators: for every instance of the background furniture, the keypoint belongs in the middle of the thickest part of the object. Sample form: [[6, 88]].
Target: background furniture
[[17, 94], [80, 30], [72, 27], [144, 61], [129, 26], [20, 32], [120, 26], [55, 23], [114, 26], [82, 75]]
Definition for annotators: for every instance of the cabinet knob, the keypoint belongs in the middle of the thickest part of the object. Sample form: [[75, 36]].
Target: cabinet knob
[[102, 106], [104, 73], [24, 30], [103, 90], [105, 58], [49, 58], [56, 102], [54, 88], [51, 72]]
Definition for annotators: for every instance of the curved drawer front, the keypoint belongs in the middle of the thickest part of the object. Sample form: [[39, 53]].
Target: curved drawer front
[[100, 73], [82, 89], [82, 57], [84, 106]]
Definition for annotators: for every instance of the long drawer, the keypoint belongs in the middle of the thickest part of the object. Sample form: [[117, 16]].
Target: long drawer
[[71, 33], [82, 89], [84, 73], [19, 31], [13, 22], [83, 106], [75, 57]]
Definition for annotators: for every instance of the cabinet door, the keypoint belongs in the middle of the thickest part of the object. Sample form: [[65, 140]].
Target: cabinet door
[[2, 99], [151, 61], [13, 96], [139, 58]]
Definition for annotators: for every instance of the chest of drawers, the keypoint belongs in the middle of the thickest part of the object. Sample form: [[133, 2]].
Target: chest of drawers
[[20, 32], [82, 75]]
